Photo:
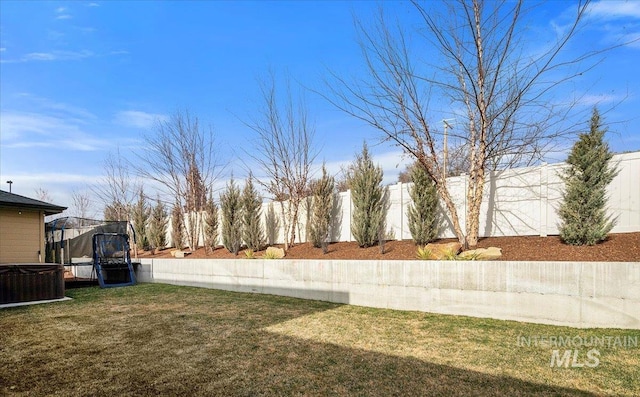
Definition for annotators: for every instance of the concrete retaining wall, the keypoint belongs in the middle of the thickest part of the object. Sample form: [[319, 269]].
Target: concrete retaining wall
[[590, 294]]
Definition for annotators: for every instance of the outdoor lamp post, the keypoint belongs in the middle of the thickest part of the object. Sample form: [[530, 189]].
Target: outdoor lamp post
[[446, 149], [10, 183]]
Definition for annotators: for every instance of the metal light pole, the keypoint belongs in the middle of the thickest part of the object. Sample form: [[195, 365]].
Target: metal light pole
[[444, 161], [10, 183]]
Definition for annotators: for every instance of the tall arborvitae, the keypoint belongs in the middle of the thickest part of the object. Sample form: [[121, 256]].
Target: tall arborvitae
[[231, 207], [195, 201], [141, 212], [158, 226], [252, 232], [369, 200], [422, 212], [211, 224], [177, 226], [323, 191], [115, 212], [196, 194], [272, 225], [583, 212]]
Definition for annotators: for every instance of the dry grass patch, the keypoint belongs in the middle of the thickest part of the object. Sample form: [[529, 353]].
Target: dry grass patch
[[156, 339]]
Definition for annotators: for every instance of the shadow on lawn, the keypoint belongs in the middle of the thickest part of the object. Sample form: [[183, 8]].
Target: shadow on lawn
[[165, 340], [328, 369], [340, 297]]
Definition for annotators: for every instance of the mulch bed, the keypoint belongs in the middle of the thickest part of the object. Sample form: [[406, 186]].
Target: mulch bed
[[621, 247]]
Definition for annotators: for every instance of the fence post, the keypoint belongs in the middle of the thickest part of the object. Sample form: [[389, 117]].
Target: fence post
[[544, 193], [347, 197], [464, 201], [401, 194]]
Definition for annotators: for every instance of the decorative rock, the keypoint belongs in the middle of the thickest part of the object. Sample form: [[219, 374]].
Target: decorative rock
[[178, 253], [483, 254], [440, 251], [274, 252]]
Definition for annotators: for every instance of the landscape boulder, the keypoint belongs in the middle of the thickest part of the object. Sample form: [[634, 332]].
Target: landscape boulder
[[443, 250], [483, 254], [178, 253], [274, 252]]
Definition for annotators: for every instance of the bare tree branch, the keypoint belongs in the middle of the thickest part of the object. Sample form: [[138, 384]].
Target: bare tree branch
[[284, 137], [480, 67], [117, 188], [181, 157], [81, 205]]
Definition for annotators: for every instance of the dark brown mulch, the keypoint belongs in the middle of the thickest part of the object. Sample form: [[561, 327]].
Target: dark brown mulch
[[622, 247]]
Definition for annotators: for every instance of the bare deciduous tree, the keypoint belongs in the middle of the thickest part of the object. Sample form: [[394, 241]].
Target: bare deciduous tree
[[342, 178], [497, 92], [181, 157], [117, 189], [285, 143], [43, 195], [81, 205]]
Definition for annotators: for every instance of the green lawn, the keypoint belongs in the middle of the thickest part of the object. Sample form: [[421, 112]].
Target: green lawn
[[154, 339]]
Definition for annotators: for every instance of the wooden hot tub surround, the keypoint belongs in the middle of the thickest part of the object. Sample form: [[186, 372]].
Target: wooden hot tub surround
[[26, 282]]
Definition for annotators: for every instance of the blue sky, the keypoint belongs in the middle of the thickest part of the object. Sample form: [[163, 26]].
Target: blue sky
[[79, 79]]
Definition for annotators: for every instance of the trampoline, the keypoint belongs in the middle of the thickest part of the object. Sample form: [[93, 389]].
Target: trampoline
[[112, 260]]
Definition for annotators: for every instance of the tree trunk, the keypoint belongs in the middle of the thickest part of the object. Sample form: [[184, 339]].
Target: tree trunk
[[451, 208], [285, 226], [293, 211], [474, 202]]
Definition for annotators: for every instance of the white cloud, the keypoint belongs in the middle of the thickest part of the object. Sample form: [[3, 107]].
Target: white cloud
[[62, 13], [633, 39], [601, 99], [70, 112], [93, 5], [58, 55], [618, 20], [51, 56], [53, 108], [614, 22], [15, 125], [615, 9], [138, 119], [39, 56], [24, 145], [391, 162], [2, 49], [58, 185], [31, 129]]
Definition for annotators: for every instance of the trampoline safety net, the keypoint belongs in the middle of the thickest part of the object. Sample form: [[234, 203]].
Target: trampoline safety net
[[71, 237], [112, 260]]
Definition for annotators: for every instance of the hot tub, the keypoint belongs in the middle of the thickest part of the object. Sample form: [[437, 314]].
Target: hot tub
[[26, 282]]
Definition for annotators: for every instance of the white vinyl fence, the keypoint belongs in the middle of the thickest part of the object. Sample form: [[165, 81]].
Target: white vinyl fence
[[517, 202]]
